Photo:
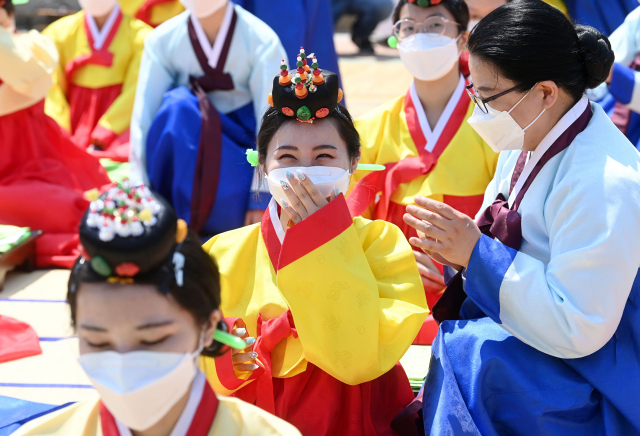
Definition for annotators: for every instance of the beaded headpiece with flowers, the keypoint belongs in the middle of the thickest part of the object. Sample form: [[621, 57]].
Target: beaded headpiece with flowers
[[306, 93], [131, 234], [425, 3]]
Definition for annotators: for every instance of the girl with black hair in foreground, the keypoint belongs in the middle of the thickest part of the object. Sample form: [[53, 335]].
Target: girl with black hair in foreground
[[145, 299], [541, 326]]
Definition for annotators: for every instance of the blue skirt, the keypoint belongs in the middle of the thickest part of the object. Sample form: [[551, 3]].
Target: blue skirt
[[484, 381]]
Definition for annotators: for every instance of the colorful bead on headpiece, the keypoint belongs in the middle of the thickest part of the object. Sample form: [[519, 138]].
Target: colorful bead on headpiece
[[425, 3], [307, 93]]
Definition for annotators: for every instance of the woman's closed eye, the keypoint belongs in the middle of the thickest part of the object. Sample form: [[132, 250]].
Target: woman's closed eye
[[325, 156], [97, 344], [156, 342], [286, 156]]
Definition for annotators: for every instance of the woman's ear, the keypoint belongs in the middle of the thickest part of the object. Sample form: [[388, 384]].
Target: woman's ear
[[212, 325], [462, 41], [550, 93], [354, 163]]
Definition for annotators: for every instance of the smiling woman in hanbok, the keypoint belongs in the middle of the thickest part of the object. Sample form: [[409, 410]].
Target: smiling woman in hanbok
[[541, 327], [422, 137], [43, 175], [144, 300], [95, 83], [333, 301]]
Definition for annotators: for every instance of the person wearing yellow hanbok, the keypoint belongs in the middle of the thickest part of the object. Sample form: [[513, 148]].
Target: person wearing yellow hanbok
[[332, 301], [95, 83], [422, 137]]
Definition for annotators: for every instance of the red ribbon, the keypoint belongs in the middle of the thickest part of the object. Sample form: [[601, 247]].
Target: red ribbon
[[144, 13]]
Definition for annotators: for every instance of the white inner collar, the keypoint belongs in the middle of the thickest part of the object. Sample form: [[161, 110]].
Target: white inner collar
[[189, 412], [561, 126], [432, 137], [213, 52], [275, 219], [100, 36]]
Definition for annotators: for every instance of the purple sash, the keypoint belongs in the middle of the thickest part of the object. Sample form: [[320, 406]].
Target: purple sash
[[207, 172], [504, 223]]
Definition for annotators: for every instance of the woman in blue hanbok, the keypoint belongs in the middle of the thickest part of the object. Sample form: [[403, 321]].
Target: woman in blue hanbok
[[540, 331]]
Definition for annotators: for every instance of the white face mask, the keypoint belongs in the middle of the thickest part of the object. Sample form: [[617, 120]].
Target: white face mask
[[97, 8], [428, 58], [139, 388], [203, 8], [498, 128], [325, 178]]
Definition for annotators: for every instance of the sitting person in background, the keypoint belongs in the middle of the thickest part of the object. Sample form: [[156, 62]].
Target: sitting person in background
[[144, 300], [201, 94], [95, 82], [478, 9], [423, 137], [368, 12], [43, 175], [152, 12], [620, 95]]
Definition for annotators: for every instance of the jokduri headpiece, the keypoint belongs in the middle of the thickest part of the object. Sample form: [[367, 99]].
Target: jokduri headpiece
[[425, 3], [132, 235], [307, 93]]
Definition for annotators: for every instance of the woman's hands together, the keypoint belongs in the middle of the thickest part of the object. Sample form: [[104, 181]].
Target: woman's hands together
[[446, 235], [432, 280], [303, 198]]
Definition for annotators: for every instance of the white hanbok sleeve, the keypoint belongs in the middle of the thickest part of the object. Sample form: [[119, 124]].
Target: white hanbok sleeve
[[625, 42], [154, 80], [570, 307]]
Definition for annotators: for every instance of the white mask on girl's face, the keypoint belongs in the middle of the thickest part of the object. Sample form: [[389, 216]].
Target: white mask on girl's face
[[498, 128], [324, 178], [203, 8], [97, 8], [139, 388], [428, 58]]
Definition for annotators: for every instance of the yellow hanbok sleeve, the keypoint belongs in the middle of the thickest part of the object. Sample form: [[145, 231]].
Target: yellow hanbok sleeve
[[235, 417], [118, 117], [77, 419], [354, 291], [56, 104], [27, 63]]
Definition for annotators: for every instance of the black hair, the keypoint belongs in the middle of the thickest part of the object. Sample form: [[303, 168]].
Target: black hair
[[529, 41], [8, 6], [273, 120], [200, 293], [457, 8]]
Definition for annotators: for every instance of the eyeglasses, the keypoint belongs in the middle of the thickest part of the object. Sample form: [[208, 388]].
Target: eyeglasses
[[432, 26], [482, 102]]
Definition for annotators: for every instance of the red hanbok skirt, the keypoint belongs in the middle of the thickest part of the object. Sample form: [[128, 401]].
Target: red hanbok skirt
[[87, 106], [43, 177]]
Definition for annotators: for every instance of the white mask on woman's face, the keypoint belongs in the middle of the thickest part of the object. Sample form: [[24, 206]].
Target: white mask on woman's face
[[203, 8], [428, 58], [324, 178], [498, 128], [140, 387], [97, 8]]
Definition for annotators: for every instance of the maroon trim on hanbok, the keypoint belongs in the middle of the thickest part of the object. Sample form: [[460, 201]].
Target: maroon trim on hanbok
[[504, 223], [207, 171]]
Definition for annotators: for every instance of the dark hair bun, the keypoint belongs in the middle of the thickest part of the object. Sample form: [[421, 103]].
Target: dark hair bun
[[598, 56]]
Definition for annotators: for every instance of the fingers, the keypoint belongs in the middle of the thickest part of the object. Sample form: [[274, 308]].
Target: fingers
[[434, 277], [429, 216], [293, 201], [431, 287], [246, 366], [314, 193], [291, 212], [437, 207], [428, 229], [244, 357], [426, 244], [425, 261]]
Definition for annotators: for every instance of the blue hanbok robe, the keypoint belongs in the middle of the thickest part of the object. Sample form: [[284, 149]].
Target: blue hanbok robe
[[604, 15], [557, 352], [309, 24], [167, 121]]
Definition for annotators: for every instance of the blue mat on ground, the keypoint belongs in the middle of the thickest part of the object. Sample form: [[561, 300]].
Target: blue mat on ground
[[15, 412]]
